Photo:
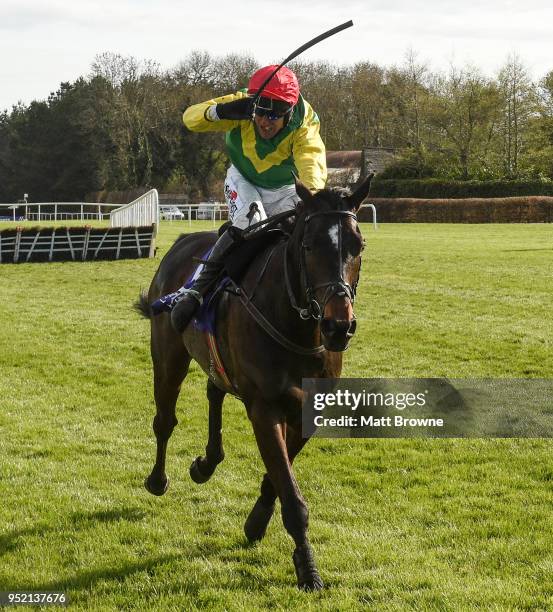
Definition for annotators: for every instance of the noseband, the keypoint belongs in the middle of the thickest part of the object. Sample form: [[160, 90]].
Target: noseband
[[339, 287]]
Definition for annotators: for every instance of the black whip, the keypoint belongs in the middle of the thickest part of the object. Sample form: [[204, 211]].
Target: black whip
[[300, 50]]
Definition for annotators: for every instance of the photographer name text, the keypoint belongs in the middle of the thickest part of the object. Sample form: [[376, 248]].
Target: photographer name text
[[371, 421]]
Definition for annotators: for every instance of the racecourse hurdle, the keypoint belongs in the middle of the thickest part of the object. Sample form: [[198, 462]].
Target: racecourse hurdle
[[132, 233], [23, 245]]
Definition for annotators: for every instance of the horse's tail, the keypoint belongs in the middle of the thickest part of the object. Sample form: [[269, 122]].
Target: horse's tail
[[142, 306]]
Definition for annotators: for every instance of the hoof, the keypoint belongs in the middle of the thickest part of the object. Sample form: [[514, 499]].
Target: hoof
[[258, 520], [156, 487], [314, 584], [196, 473], [306, 570]]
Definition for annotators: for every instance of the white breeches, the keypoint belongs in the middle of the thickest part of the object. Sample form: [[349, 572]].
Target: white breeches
[[240, 194]]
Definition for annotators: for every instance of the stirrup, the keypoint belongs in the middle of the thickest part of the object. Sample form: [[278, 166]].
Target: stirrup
[[191, 292]]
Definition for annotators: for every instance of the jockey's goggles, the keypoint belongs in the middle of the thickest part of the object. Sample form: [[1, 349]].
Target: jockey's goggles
[[272, 109]]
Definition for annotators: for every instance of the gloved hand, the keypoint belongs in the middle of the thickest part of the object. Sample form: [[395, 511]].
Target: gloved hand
[[236, 110]]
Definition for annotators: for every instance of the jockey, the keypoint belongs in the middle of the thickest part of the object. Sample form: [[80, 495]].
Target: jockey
[[267, 144]]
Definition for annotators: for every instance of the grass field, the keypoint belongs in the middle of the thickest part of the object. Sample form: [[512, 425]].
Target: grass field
[[396, 524]]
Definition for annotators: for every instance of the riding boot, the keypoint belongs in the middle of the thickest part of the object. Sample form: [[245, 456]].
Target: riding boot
[[191, 299]]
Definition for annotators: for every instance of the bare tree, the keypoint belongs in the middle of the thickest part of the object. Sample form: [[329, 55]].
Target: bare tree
[[115, 68], [232, 72], [406, 104], [367, 83], [325, 86], [518, 102], [198, 68]]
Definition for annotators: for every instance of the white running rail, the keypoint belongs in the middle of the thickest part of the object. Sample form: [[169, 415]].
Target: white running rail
[[140, 212], [372, 207]]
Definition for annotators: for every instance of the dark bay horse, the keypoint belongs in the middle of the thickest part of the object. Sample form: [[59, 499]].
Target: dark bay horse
[[292, 319]]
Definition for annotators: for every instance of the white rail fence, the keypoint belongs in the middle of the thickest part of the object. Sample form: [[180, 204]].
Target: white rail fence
[[139, 213], [144, 211], [215, 212], [55, 211], [373, 208]]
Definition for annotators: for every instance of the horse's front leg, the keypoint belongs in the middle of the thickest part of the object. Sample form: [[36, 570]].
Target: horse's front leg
[[264, 507], [268, 425]]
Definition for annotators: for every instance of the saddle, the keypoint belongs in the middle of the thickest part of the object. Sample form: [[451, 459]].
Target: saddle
[[245, 252], [236, 264]]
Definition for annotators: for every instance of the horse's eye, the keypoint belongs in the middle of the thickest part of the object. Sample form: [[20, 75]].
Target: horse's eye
[[355, 245]]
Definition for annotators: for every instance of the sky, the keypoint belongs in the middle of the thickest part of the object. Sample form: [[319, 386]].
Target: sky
[[46, 42]]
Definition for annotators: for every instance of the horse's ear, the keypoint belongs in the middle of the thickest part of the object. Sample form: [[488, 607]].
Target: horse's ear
[[361, 192], [303, 192]]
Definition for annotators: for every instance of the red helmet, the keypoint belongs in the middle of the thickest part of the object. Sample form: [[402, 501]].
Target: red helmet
[[283, 86]]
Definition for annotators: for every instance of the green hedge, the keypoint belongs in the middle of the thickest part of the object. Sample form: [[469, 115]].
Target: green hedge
[[436, 188]]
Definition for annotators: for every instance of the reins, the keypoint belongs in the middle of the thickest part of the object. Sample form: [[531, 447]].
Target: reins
[[247, 301], [266, 224]]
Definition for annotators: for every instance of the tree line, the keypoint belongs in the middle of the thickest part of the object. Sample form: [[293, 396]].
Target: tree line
[[119, 127]]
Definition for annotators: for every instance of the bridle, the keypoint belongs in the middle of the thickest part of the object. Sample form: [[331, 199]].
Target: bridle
[[339, 287], [314, 309]]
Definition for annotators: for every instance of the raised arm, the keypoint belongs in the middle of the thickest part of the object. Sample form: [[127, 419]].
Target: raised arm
[[219, 114]]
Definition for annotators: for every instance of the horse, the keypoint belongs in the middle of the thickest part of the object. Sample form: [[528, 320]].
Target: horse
[[290, 318]]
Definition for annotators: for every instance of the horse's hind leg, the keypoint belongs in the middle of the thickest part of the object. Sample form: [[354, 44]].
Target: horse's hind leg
[[202, 468], [258, 520], [171, 361]]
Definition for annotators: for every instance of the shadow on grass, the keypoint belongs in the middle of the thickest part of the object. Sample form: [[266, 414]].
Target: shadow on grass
[[527, 250], [103, 581], [85, 580], [12, 540], [238, 556], [131, 515], [243, 573]]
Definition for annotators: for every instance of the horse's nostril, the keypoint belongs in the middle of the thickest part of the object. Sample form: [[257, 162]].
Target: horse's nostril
[[328, 326], [339, 327]]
